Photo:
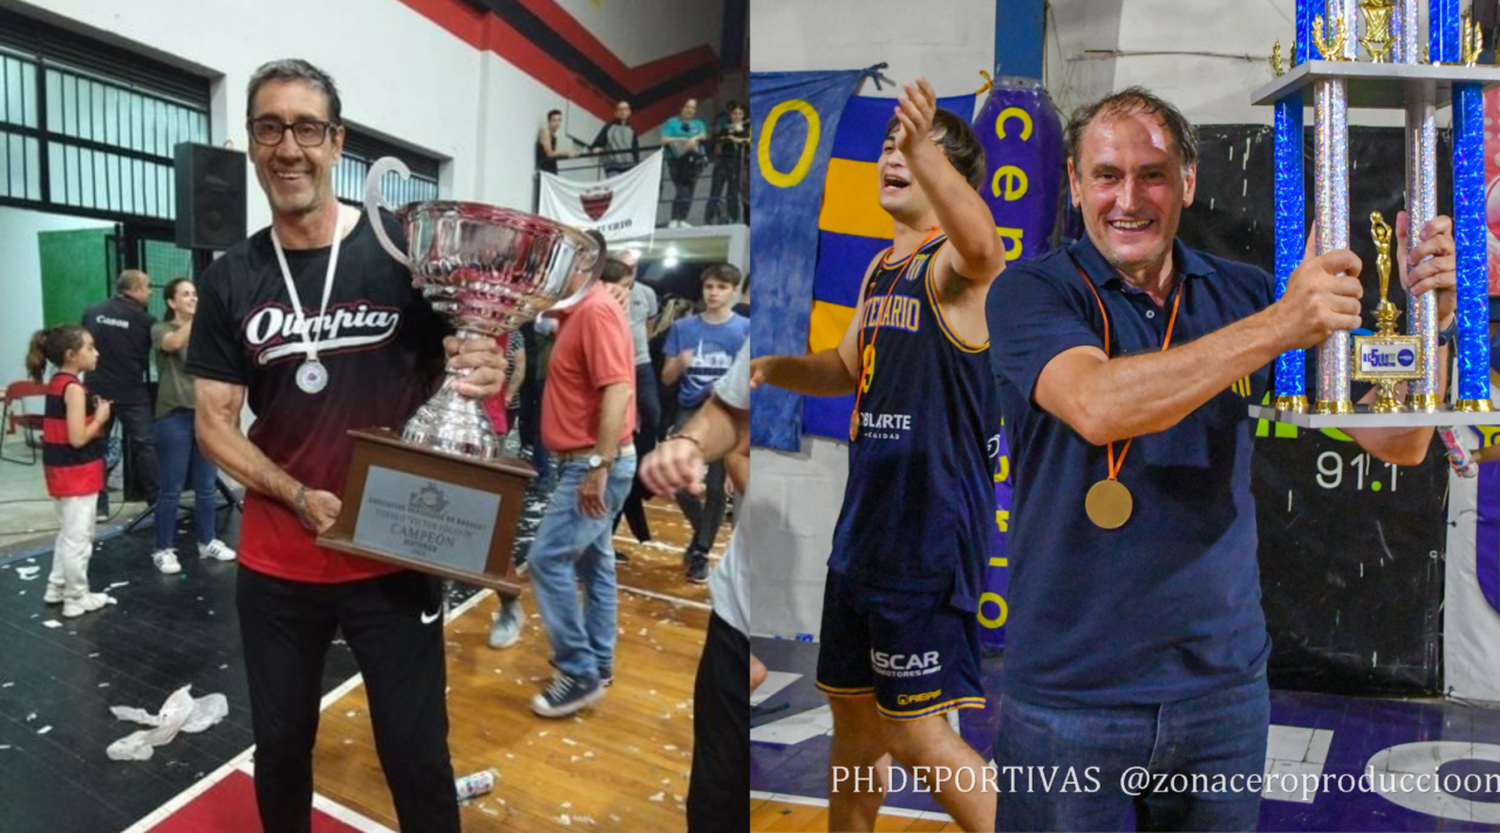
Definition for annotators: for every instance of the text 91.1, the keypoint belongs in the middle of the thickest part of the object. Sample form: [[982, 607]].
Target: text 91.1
[[1331, 471]]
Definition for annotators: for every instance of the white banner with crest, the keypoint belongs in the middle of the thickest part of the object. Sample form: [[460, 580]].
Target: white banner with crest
[[622, 207]]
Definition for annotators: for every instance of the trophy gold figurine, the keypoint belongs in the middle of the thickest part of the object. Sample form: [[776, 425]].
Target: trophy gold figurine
[[1386, 358], [1377, 40]]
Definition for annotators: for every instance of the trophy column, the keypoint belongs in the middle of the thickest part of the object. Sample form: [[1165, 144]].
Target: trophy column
[[1469, 232], [1331, 180], [1421, 206], [1291, 366], [1397, 75]]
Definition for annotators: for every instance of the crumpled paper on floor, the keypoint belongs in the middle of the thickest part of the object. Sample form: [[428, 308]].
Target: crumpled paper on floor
[[180, 713]]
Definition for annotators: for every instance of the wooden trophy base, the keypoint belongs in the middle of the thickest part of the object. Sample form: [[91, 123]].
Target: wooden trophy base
[[431, 511]]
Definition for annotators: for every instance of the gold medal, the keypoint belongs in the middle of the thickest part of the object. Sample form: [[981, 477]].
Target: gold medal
[[854, 426], [1109, 504]]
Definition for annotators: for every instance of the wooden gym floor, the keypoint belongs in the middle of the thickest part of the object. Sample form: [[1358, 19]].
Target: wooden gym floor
[[620, 765]]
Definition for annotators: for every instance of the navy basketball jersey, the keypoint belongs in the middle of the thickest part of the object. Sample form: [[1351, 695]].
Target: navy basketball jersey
[[920, 500]]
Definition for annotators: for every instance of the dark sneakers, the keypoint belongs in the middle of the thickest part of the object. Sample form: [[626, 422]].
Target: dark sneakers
[[566, 694], [697, 566]]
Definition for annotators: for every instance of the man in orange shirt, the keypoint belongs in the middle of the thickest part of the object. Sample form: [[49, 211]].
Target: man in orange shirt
[[588, 419]]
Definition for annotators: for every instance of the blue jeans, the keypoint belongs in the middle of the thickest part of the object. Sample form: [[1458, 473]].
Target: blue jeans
[[177, 451], [1223, 733], [570, 548]]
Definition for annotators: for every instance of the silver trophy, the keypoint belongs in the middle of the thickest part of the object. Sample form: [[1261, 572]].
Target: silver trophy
[[488, 270]]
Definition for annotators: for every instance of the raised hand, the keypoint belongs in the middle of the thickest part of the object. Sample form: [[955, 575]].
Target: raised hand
[[914, 112]]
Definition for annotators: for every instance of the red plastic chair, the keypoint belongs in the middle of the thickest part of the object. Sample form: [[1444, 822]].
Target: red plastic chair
[[16, 415]]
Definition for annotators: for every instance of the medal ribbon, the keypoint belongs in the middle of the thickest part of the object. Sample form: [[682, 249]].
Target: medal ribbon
[[1115, 466], [310, 343], [860, 344]]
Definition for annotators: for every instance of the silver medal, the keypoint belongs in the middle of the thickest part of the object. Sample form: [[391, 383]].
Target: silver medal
[[312, 376]]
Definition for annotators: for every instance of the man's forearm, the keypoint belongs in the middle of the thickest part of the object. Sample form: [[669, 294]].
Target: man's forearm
[[612, 405], [1401, 446], [222, 442], [1142, 394], [672, 370], [961, 212], [819, 374], [713, 428], [177, 339]]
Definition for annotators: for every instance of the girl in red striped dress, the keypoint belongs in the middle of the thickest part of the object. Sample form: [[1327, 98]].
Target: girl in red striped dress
[[72, 460]]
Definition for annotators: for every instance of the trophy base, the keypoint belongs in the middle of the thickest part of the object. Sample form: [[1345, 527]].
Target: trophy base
[[431, 511], [1423, 401], [1334, 406], [1295, 403], [1363, 417]]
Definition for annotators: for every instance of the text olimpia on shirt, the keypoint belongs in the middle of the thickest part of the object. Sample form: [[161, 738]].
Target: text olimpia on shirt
[[381, 344]]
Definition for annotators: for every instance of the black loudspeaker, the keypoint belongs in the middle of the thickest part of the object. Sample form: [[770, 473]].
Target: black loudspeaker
[[210, 196]]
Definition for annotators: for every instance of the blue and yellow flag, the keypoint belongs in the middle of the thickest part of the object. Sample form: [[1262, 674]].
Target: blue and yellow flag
[[795, 117]]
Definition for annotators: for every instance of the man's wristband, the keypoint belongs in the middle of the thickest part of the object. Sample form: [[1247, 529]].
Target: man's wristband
[[299, 501], [690, 438]]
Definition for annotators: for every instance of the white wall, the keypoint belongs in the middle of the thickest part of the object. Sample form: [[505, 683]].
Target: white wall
[[21, 281], [794, 499], [1161, 46], [641, 31], [948, 42], [399, 74], [1078, 65]]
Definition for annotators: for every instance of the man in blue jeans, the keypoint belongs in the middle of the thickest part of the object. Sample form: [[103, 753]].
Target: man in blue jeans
[[1136, 644], [588, 419]]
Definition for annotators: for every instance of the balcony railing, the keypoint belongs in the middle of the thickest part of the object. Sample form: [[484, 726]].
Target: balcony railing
[[720, 193]]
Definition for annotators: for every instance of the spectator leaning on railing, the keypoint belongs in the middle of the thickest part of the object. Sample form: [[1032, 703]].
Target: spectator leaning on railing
[[618, 140]]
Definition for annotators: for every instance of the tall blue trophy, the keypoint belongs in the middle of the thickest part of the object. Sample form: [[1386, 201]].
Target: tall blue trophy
[[1366, 54]]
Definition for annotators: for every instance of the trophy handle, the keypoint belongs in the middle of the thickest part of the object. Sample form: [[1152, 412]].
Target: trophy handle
[[374, 201], [598, 238]]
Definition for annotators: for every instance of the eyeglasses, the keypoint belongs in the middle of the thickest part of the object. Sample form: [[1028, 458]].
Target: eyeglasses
[[270, 132]]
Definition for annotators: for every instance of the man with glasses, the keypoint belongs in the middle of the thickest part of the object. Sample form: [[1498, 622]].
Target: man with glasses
[[121, 328], [322, 332]]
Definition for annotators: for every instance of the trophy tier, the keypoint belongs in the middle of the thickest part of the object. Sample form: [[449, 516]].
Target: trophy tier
[[1445, 415], [1384, 86]]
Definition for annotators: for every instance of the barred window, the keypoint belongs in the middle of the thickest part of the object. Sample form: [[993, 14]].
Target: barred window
[[86, 128], [360, 152]]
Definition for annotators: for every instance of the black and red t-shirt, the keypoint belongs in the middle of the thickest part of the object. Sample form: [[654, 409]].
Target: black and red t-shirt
[[380, 342], [69, 471]]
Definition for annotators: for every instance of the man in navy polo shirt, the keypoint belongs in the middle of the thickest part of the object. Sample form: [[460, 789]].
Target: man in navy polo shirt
[[1136, 637]]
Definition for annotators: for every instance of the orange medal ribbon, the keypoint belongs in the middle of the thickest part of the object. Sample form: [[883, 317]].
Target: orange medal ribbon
[[1109, 502]]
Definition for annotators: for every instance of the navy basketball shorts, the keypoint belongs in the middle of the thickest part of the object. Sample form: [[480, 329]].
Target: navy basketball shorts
[[916, 652]]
